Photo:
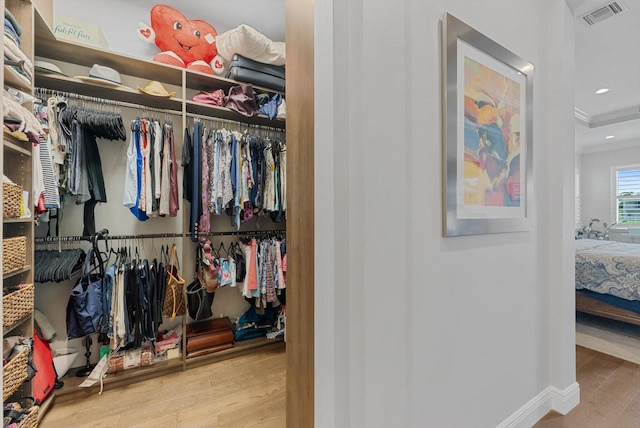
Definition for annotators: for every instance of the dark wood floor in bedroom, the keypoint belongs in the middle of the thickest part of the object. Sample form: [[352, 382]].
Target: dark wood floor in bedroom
[[609, 394]]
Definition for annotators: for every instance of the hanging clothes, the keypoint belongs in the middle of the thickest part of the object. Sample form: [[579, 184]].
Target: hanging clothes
[[75, 152], [196, 183], [174, 200], [151, 177], [241, 175], [137, 299], [133, 180], [264, 282], [165, 180]]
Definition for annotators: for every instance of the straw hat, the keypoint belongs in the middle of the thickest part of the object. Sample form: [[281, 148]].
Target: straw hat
[[156, 89]]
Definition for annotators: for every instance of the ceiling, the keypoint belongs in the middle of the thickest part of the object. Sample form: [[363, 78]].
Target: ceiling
[[602, 60]]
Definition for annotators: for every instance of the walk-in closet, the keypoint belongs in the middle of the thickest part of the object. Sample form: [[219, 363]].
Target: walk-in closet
[[148, 206]]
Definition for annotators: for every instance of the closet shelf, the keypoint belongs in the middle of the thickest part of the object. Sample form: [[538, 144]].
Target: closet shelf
[[226, 113], [122, 94], [16, 80], [206, 82], [27, 268], [15, 145], [239, 348], [77, 86], [17, 220], [85, 55], [48, 46], [8, 330]]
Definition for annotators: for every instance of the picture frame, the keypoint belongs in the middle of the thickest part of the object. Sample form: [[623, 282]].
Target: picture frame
[[487, 134]]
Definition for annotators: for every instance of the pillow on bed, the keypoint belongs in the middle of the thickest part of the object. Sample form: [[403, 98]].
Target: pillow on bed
[[250, 43]]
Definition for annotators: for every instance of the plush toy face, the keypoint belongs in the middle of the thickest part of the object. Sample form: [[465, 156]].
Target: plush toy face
[[191, 40]]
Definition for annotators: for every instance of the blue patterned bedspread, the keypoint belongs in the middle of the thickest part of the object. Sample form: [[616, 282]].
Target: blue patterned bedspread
[[608, 267]]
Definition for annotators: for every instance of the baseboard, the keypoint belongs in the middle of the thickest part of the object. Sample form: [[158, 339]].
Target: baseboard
[[551, 398]]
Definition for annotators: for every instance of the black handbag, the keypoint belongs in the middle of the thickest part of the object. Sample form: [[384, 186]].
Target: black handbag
[[84, 309], [199, 301]]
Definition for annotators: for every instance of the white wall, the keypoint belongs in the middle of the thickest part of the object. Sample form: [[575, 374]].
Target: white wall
[[413, 329], [597, 182]]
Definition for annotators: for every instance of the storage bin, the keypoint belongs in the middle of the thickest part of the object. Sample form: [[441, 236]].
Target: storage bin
[[17, 305], [14, 253], [11, 198], [14, 373], [31, 421]]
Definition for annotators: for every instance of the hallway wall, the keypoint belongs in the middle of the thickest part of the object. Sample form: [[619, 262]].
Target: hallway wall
[[413, 329]]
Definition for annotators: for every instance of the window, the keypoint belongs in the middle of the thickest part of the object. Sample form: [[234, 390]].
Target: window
[[627, 198]]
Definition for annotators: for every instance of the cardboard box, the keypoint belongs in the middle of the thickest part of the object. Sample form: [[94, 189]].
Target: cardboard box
[[75, 30]]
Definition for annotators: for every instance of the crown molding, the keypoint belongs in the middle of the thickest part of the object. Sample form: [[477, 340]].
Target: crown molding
[[605, 119]]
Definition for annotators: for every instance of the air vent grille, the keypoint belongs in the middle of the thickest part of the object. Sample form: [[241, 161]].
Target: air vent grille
[[604, 12]]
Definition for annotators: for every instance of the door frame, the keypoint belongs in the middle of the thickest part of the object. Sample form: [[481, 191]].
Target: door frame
[[299, 38]]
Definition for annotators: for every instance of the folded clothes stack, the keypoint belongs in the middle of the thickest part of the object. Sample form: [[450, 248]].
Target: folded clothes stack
[[245, 100], [13, 55]]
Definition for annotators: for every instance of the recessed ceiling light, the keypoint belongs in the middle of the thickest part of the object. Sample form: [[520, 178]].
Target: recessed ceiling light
[[608, 137], [602, 91]]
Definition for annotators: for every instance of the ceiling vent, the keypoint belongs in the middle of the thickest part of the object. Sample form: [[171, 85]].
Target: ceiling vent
[[604, 12]]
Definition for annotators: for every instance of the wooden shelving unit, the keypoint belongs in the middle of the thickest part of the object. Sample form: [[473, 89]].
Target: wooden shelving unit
[[17, 165], [137, 72]]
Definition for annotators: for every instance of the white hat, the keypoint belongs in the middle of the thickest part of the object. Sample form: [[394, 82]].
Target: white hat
[[102, 75], [47, 67]]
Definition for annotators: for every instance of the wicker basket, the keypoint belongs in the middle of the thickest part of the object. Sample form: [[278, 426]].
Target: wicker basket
[[14, 373], [11, 197], [16, 306], [31, 421], [14, 253]]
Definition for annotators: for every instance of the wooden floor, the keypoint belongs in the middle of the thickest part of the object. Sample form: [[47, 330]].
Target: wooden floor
[[609, 394], [247, 391]]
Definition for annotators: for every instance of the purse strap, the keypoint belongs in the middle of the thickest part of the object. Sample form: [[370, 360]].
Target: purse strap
[[88, 261], [173, 256]]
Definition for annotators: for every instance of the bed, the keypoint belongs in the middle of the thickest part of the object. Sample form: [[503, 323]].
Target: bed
[[608, 279]]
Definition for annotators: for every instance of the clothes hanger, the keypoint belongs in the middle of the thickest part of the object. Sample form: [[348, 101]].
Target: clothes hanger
[[222, 248]]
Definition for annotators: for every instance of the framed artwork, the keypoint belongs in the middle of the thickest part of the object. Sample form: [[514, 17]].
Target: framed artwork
[[487, 109]]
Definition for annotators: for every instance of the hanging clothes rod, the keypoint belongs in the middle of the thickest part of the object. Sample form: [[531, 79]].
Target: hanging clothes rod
[[50, 239], [47, 91], [233, 122], [244, 233], [106, 237]]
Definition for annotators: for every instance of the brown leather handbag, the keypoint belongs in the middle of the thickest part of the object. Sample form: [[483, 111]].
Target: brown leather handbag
[[174, 298]]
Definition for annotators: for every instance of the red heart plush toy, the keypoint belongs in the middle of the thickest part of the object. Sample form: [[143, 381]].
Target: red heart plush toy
[[183, 42]]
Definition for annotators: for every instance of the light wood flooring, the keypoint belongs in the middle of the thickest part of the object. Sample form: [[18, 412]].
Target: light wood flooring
[[246, 391], [609, 394], [249, 391]]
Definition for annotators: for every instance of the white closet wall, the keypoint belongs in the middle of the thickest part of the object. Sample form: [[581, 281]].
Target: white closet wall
[[119, 19]]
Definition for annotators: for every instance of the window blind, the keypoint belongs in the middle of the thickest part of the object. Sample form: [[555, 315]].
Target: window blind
[[628, 195]]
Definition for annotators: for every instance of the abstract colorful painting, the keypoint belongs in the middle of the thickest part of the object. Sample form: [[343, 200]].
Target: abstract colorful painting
[[491, 137], [487, 133]]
